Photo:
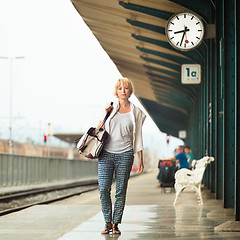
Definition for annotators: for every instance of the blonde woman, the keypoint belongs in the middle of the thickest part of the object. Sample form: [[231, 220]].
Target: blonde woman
[[125, 128]]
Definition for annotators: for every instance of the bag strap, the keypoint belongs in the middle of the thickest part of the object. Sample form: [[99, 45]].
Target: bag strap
[[107, 115]]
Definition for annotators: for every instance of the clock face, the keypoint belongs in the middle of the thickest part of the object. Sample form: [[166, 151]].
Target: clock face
[[185, 31]]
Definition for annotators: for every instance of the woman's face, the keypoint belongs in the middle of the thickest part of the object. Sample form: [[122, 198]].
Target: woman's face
[[123, 91]]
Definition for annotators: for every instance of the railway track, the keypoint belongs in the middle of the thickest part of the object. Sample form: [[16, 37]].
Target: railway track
[[18, 201]]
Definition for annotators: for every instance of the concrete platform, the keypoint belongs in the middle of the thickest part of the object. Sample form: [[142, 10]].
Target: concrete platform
[[149, 214]]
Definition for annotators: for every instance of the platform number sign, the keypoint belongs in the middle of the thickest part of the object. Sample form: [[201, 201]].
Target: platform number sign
[[191, 74]]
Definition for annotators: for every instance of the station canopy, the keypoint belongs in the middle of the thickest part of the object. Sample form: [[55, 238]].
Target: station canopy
[[133, 35]]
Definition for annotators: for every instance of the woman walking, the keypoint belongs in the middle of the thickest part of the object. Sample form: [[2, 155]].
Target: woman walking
[[125, 128]]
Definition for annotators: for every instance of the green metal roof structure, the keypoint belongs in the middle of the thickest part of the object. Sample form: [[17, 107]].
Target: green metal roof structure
[[133, 35]]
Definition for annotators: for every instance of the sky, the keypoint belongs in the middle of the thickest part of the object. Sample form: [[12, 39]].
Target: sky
[[63, 77]]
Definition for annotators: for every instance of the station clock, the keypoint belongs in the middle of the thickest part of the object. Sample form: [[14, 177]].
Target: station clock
[[185, 31]]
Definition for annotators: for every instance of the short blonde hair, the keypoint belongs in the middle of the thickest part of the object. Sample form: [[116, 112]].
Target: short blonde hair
[[126, 82]]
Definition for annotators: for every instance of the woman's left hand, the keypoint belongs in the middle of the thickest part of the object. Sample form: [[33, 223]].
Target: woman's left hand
[[140, 162], [140, 168]]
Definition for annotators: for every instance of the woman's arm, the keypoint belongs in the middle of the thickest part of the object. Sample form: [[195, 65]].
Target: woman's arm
[[99, 125], [140, 162], [107, 109]]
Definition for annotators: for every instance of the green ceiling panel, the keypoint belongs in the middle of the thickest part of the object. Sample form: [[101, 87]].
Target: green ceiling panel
[[181, 94], [177, 59], [196, 58], [168, 120], [175, 67], [174, 100], [173, 74], [188, 89], [147, 26], [150, 11]]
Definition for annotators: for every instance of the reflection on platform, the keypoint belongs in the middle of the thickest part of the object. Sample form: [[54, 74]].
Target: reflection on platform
[[153, 222]]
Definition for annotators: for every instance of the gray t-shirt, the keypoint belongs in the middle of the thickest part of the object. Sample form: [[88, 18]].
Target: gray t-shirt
[[121, 133]]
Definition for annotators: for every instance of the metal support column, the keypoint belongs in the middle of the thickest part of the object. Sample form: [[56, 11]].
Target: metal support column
[[215, 122], [211, 112], [207, 89], [204, 113], [230, 104], [220, 97], [237, 175], [201, 118], [214, 106]]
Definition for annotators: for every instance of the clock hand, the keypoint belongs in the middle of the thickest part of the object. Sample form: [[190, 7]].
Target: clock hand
[[182, 31], [186, 41], [182, 38]]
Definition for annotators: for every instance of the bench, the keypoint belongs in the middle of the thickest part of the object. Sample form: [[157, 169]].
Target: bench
[[191, 178]]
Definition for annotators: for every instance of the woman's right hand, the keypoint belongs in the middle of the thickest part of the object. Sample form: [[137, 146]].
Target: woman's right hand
[[108, 108]]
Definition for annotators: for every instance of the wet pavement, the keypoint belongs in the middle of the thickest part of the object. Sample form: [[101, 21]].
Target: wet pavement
[[149, 215], [154, 222]]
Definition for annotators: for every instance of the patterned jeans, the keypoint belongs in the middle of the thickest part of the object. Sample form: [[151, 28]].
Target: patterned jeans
[[108, 163]]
